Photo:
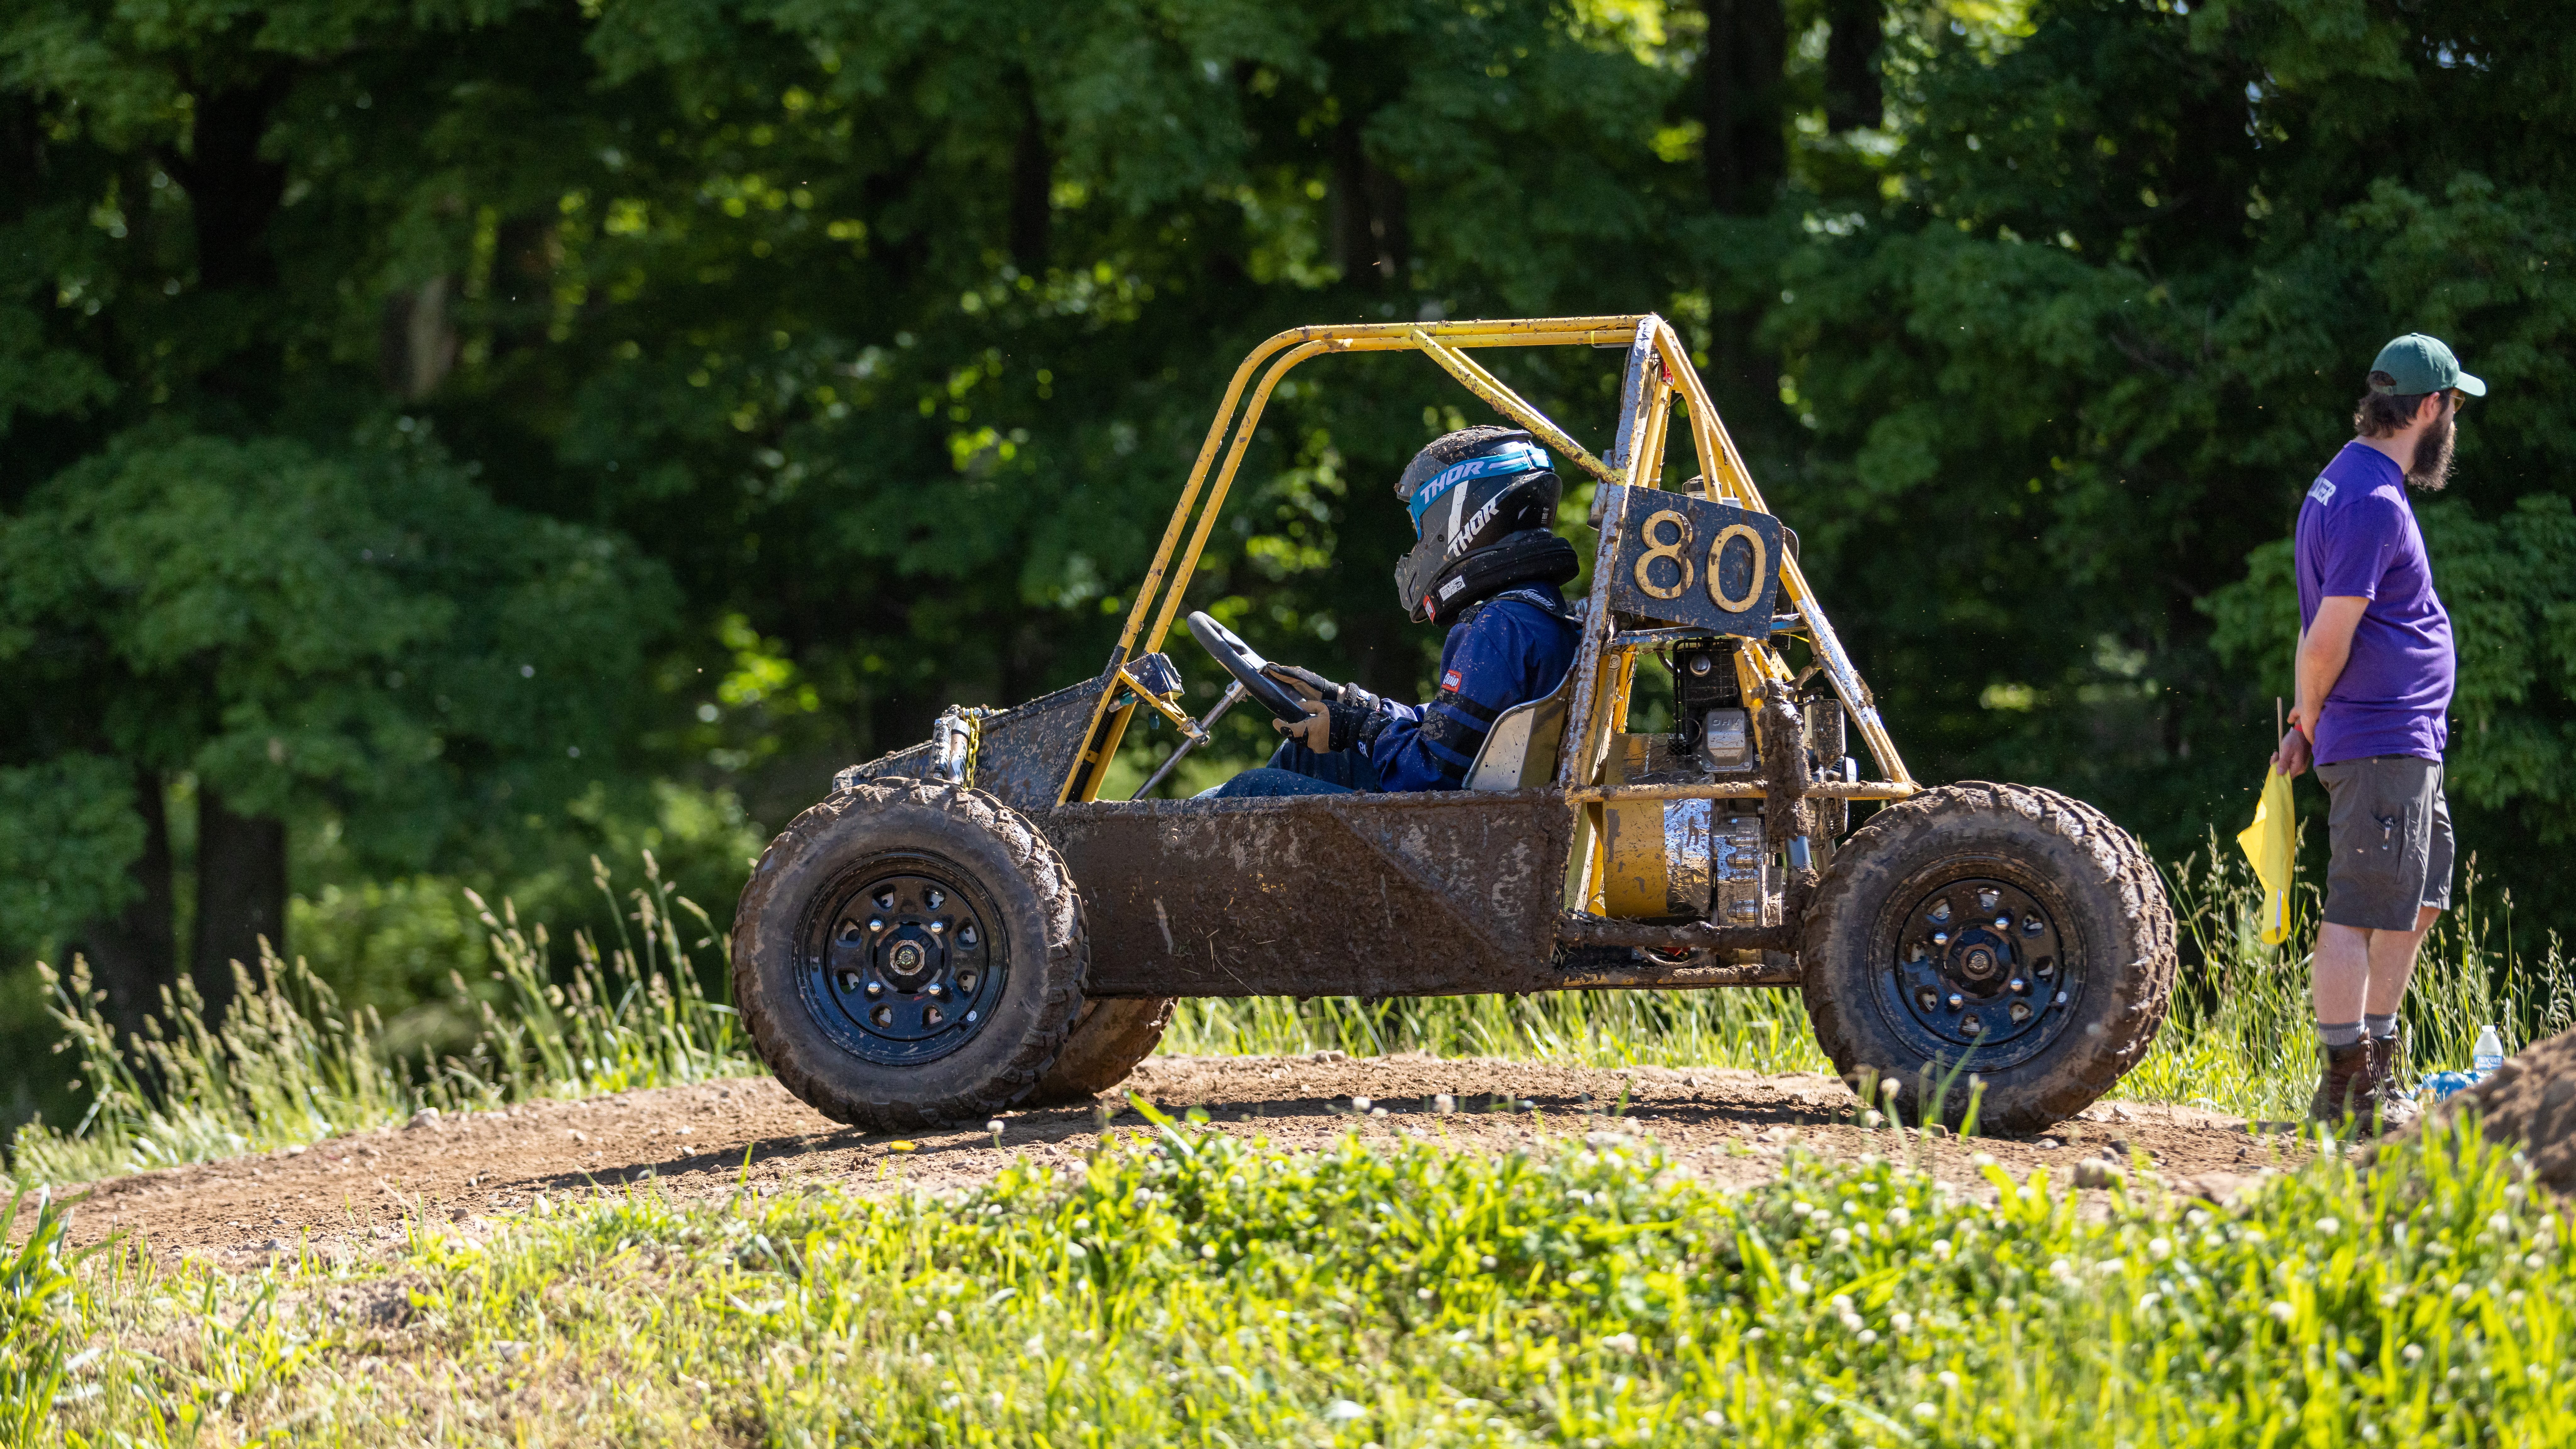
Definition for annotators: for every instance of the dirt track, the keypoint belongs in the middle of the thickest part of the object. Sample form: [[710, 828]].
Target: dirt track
[[1729, 1126]]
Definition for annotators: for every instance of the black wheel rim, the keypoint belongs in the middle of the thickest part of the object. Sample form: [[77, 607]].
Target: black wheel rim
[[903, 957], [1978, 966]]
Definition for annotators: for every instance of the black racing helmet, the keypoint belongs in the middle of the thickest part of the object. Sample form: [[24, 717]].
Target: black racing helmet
[[1470, 490]]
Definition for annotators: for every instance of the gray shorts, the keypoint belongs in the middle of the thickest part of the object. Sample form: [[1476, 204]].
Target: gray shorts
[[2390, 832]]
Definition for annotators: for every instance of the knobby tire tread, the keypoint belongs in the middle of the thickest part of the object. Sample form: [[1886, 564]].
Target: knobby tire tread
[[1065, 961], [2136, 966]]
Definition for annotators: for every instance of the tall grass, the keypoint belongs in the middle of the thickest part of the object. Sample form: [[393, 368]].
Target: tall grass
[[1765, 1030], [288, 1066], [36, 1282], [2240, 1037]]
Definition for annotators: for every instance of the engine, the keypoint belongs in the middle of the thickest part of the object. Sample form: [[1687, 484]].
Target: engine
[[1711, 860]]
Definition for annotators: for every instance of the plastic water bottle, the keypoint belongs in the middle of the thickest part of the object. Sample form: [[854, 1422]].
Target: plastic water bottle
[[2488, 1054]]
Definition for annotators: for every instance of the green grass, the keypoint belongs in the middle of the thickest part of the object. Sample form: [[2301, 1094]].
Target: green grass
[[1191, 1288], [1765, 1030], [2240, 1038], [38, 1298], [290, 1067]]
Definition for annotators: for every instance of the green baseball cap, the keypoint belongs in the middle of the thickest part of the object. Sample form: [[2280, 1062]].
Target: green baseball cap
[[2422, 364]]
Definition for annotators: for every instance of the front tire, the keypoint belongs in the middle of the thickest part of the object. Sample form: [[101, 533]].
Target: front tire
[[2001, 931], [909, 954]]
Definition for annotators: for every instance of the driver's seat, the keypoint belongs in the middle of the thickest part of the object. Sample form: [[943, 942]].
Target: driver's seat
[[1520, 750]]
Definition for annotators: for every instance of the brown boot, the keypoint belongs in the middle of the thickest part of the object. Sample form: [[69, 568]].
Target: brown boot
[[2344, 1091], [2387, 1094]]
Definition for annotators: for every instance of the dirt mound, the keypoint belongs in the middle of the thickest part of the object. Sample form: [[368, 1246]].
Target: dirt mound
[[719, 1137], [2531, 1099]]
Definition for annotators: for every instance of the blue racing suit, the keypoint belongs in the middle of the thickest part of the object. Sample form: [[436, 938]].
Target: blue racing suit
[[1508, 650]]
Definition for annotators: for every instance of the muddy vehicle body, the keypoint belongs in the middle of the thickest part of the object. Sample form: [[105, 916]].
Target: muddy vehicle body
[[965, 925]]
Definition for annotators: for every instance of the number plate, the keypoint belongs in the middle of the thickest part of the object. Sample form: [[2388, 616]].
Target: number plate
[[1684, 560]]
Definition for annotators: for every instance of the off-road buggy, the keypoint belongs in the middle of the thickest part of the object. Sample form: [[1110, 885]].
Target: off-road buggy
[[964, 925]]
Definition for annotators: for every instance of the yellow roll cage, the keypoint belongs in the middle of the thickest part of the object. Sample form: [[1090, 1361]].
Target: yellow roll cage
[[1659, 370]]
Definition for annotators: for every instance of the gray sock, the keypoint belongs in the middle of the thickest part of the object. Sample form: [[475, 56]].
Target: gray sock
[[2339, 1033], [2381, 1028]]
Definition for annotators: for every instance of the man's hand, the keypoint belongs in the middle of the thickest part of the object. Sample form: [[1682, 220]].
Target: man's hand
[[1304, 681], [1328, 708], [1324, 700], [1315, 731], [2325, 646], [2295, 754]]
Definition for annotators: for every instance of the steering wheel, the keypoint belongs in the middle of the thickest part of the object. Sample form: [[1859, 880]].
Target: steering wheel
[[1246, 666]]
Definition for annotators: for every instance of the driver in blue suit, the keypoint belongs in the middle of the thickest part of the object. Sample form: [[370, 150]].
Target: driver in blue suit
[[1485, 565]]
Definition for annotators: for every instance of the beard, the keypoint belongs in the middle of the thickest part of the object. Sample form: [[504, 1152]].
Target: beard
[[2431, 470]]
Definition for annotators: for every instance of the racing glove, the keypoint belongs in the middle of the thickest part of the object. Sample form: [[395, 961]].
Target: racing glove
[[1353, 715], [1307, 681], [1355, 725]]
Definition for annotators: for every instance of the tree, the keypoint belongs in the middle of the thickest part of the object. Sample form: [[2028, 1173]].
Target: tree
[[2080, 351], [361, 634], [871, 344], [884, 335]]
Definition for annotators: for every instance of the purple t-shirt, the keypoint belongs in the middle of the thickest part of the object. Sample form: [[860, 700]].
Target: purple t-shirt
[[2357, 537]]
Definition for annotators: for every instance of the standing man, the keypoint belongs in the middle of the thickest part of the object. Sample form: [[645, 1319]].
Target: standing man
[[2374, 690]]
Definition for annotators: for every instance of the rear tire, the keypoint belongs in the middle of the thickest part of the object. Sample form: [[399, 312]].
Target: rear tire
[[909, 954], [1112, 1036], [1907, 973]]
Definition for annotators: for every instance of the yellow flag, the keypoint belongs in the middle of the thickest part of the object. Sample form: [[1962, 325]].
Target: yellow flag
[[2267, 842]]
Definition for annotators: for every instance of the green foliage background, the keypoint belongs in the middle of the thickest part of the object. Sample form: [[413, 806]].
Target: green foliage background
[[480, 434]]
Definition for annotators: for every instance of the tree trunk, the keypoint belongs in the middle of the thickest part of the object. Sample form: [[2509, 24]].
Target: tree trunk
[[233, 194], [1853, 98], [1032, 192], [233, 191], [416, 341], [134, 954], [1745, 147], [241, 895], [1370, 239]]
